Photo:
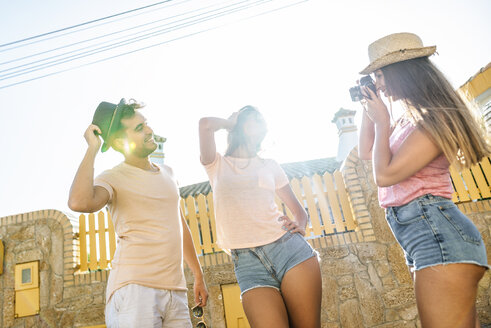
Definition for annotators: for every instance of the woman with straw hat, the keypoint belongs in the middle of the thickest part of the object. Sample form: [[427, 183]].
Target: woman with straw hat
[[443, 248]]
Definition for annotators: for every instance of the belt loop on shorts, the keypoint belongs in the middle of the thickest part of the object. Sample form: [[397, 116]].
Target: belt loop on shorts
[[393, 211], [424, 201]]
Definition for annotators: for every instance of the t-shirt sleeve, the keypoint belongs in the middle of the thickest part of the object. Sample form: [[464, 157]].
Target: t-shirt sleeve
[[104, 180], [170, 171], [280, 178], [212, 168]]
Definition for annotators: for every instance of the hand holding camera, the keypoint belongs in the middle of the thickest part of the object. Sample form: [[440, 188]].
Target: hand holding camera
[[373, 104], [356, 92]]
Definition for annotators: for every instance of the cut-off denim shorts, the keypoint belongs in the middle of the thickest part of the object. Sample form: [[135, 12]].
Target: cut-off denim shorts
[[433, 231], [266, 265]]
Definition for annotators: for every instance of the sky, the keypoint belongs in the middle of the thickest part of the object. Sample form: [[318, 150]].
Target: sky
[[294, 64]]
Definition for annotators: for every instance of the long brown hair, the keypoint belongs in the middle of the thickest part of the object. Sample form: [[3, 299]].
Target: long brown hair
[[437, 109], [236, 137]]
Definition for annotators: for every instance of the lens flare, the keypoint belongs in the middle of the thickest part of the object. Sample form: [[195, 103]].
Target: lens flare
[[129, 147]]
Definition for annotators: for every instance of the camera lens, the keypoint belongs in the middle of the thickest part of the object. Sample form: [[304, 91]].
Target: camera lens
[[368, 82], [355, 93]]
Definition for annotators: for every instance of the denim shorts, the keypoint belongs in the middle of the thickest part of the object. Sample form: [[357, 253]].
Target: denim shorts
[[432, 231], [266, 265]]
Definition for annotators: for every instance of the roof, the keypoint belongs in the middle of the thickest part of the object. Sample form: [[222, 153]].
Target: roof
[[311, 167], [478, 83], [481, 70], [292, 170], [343, 112], [195, 189]]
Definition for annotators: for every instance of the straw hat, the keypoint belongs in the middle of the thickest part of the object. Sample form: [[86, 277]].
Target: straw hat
[[395, 48]]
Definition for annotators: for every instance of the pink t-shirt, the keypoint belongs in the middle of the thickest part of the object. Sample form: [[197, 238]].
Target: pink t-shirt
[[244, 198], [144, 207], [433, 179]]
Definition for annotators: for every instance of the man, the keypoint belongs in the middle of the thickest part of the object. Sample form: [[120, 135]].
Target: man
[[146, 286]]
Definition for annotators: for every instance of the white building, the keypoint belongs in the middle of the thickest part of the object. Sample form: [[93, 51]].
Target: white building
[[157, 156], [347, 132]]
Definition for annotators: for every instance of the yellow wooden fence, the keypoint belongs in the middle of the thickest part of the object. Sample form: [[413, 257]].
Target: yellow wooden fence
[[472, 184], [96, 241], [325, 198]]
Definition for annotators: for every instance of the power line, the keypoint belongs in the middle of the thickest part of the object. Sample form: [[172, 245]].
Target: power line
[[82, 24], [148, 47], [173, 3], [101, 36], [105, 42], [126, 42], [131, 40]]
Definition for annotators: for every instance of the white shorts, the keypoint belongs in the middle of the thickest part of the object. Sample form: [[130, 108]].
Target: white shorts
[[143, 307]]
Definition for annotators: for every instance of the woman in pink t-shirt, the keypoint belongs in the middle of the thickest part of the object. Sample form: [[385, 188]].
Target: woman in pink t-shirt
[[277, 270], [443, 248]]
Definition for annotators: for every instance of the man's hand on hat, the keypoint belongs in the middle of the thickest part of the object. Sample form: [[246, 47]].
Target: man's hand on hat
[[91, 135], [374, 106]]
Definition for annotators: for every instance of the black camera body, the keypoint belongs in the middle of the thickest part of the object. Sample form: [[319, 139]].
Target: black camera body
[[355, 92]]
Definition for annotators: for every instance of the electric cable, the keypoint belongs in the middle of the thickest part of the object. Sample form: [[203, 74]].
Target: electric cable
[[105, 42], [82, 24], [126, 42], [147, 47], [102, 36]]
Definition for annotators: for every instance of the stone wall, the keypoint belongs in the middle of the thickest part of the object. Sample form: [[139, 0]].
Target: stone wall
[[47, 236], [365, 280]]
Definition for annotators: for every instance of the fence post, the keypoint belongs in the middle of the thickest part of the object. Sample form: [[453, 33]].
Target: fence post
[[102, 240], [82, 235]]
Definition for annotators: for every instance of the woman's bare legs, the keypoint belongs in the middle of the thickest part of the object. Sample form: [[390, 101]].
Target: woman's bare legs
[[298, 304], [265, 308], [446, 295], [302, 291]]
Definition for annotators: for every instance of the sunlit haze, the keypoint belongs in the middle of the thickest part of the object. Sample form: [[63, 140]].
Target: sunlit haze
[[294, 64]]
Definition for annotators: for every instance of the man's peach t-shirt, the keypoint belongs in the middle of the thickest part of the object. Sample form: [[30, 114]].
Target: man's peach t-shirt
[[144, 207], [244, 198]]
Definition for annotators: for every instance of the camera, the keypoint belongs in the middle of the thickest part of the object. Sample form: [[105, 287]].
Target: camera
[[355, 92]]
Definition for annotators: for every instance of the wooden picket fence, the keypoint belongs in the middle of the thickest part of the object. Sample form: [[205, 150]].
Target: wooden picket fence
[[472, 184], [324, 197], [99, 237]]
